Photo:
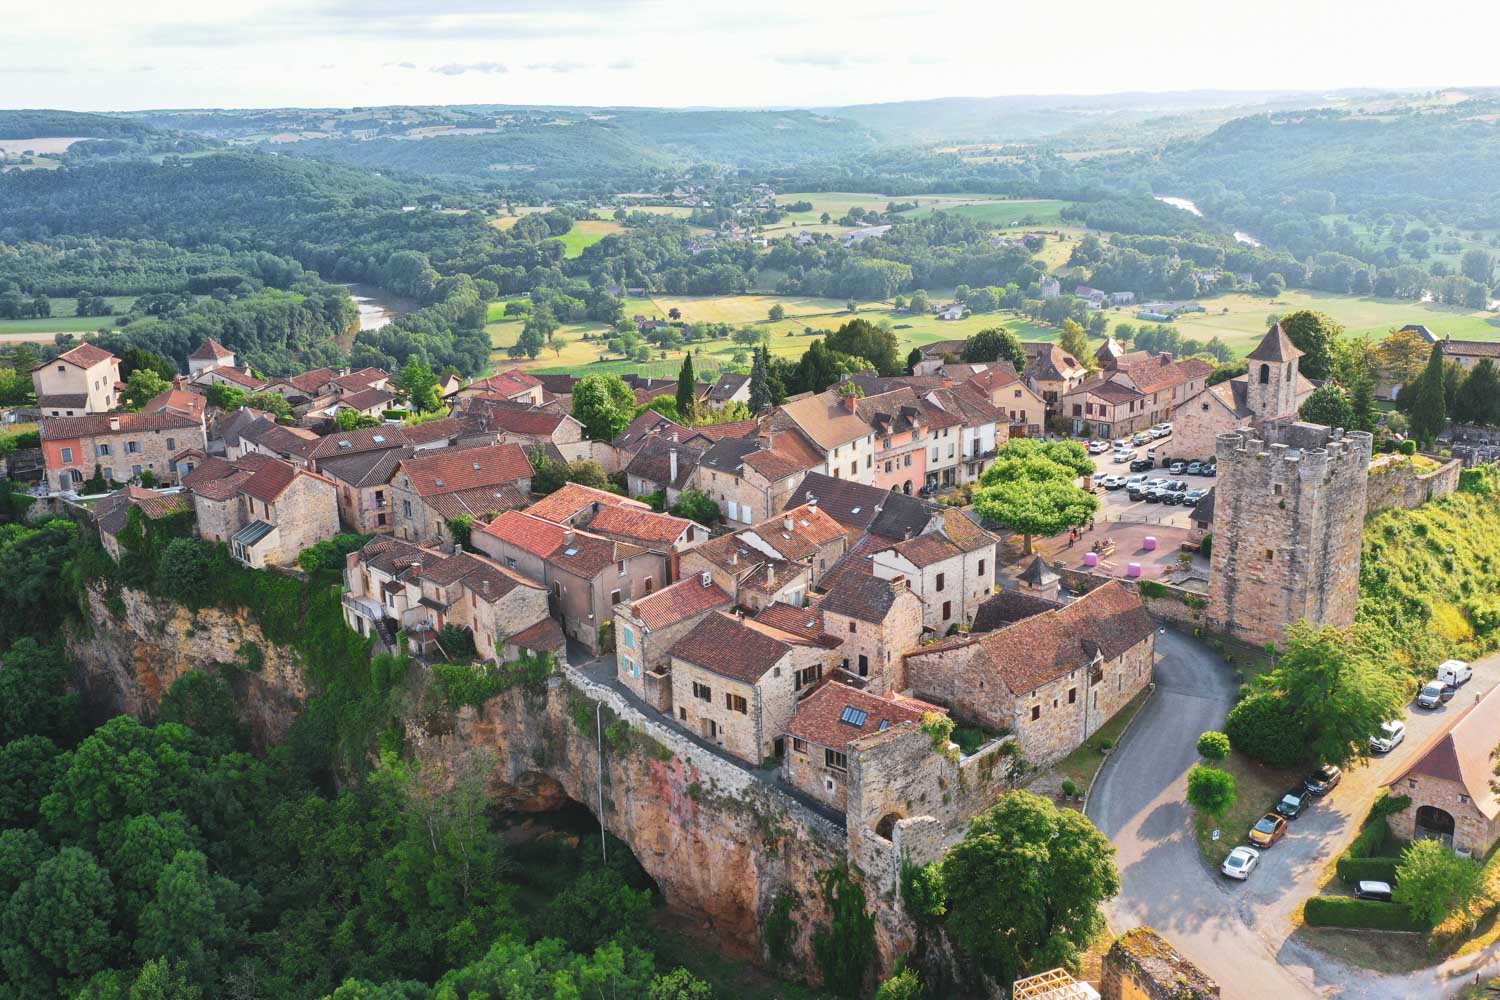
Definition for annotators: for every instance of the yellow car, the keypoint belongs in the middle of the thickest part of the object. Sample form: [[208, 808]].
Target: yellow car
[[1268, 830]]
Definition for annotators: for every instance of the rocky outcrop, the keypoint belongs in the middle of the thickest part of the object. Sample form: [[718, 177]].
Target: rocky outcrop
[[136, 646], [722, 844]]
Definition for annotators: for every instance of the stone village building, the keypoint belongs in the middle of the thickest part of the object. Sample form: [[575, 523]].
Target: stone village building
[[266, 510], [1448, 782], [1272, 387], [1051, 679], [82, 381], [123, 446], [647, 628], [429, 490], [835, 715]]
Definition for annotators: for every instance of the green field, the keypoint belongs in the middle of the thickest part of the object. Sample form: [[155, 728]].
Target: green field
[[990, 208], [62, 320], [1010, 213], [585, 234]]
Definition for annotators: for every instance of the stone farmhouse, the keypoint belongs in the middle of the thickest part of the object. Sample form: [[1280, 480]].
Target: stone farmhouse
[[844, 442], [1132, 393], [647, 628], [1052, 372], [513, 385], [1051, 679], [1448, 782], [82, 381], [827, 723], [877, 621], [429, 490], [1469, 353], [266, 510], [122, 446]]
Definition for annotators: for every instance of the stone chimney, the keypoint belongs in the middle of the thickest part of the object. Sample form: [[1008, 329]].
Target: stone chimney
[[568, 536], [734, 558], [770, 574], [672, 455], [1166, 358], [786, 523], [898, 583], [485, 585], [114, 423], [812, 502]]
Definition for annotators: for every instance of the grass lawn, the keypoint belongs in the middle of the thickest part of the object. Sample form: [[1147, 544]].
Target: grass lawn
[[838, 203], [63, 320], [1082, 764], [1010, 213], [1257, 790], [1387, 952], [506, 221], [585, 234]]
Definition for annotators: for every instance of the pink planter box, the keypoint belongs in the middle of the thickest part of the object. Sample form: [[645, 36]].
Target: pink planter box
[[1091, 559], [1133, 571], [1149, 544]]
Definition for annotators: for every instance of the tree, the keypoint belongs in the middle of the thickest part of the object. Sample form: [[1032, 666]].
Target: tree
[[862, 339], [225, 396], [1478, 265], [1213, 745], [1433, 882], [1401, 356], [1030, 489], [679, 984], [1362, 396], [1273, 285], [1074, 341], [846, 946], [687, 391], [1478, 399], [353, 420], [1025, 886], [604, 405], [913, 358], [419, 384], [903, 985], [760, 389], [1258, 727], [1328, 406], [270, 402], [191, 916], [1210, 790], [696, 506], [1314, 334], [995, 344], [143, 386], [1429, 409], [57, 924], [919, 304], [817, 369], [777, 313]]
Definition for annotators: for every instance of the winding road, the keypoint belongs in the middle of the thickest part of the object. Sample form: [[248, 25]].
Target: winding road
[[1240, 933]]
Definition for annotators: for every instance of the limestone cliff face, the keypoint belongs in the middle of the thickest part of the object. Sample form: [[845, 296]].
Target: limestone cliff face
[[722, 845], [138, 645]]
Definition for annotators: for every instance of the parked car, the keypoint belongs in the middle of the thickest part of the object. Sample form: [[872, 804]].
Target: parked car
[[1195, 468], [1161, 430], [1137, 492], [1211, 468], [1293, 802], [1175, 485], [1268, 829], [1177, 468], [1098, 447], [1323, 780], [1390, 736], [1124, 455], [1112, 482], [1436, 693], [1136, 480], [1121, 444], [1240, 863], [1172, 497], [1156, 482], [1192, 497], [1140, 439], [1378, 891], [1455, 672], [1142, 464], [1166, 425]]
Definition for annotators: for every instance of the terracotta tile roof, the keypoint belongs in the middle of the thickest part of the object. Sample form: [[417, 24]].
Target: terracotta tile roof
[[222, 488], [731, 648], [342, 443], [481, 501], [806, 624], [825, 421], [112, 512], [965, 533], [450, 469], [505, 384], [179, 400], [836, 714], [433, 430], [367, 399], [653, 463], [98, 424], [208, 470], [789, 455], [585, 555], [637, 525], [240, 378], [1461, 753], [682, 600], [1107, 389], [798, 532], [210, 350], [938, 348], [82, 356], [1161, 372], [1470, 348], [927, 550], [269, 481], [719, 432], [310, 383], [64, 401], [1106, 621], [361, 379], [282, 439], [574, 498], [856, 562], [393, 556], [509, 415], [543, 637], [489, 582], [997, 376], [459, 566], [862, 597], [643, 426]]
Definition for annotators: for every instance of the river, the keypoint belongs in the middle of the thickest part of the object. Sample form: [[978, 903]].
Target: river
[[376, 306], [1188, 206]]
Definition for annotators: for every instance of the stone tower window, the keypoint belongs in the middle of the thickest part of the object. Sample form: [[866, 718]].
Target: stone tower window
[[1265, 374], [1270, 555], [1276, 490]]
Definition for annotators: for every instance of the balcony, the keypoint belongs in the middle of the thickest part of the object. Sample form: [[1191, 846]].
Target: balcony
[[364, 607]]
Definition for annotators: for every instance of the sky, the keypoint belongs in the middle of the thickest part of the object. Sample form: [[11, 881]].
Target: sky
[[102, 55]]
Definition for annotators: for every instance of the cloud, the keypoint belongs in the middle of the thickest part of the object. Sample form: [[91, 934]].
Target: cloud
[[398, 65], [622, 64], [459, 69], [29, 70], [143, 69], [826, 59], [560, 66]]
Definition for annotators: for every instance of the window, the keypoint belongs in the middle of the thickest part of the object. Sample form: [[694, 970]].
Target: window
[[869, 461], [799, 745], [853, 468], [950, 450], [1265, 374], [1270, 555], [864, 665], [621, 567], [102, 449], [132, 447], [851, 628], [1036, 712], [614, 598], [702, 692], [1072, 696], [808, 676], [947, 610], [907, 462], [171, 444], [629, 637], [135, 470], [981, 567], [649, 585], [836, 760], [67, 456], [736, 703], [109, 472], [940, 581], [682, 713], [934, 457], [887, 465], [1276, 489], [406, 509], [509, 562], [380, 520]]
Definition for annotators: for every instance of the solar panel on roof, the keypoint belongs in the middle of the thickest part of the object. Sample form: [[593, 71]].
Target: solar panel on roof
[[853, 716]]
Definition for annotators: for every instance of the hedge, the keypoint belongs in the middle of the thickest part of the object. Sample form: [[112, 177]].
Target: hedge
[[1369, 856], [1352, 870], [1346, 911]]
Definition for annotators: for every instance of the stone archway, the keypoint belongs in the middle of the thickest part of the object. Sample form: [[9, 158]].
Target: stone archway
[[1434, 824], [907, 488], [887, 825]]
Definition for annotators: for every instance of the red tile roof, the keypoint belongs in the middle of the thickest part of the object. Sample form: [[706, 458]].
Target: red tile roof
[[806, 624], [179, 400], [530, 534], [1462, 753], [1161, 372], [269, 481], [310, 383], [433, 430], [679, 602], [481, 501], [731, 648], [449, 469], [242, 379], [543, 637], [367, 399], [635, 524], [98, 424], [362, 440], [507, 384], [83, 356], [210, 350], [575, 497], [361, 379], [718, 432], [798, 532], [823, 717]]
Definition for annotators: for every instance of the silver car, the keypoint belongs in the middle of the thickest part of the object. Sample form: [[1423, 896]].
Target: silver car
[[1240, 863], [1390, 736]]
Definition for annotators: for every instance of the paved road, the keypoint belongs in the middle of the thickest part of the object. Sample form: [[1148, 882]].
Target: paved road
[[1239, 933]]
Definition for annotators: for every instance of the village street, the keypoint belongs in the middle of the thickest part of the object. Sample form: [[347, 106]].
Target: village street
[[1239, 933]]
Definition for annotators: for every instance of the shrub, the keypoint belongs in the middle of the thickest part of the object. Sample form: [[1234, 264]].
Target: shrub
[[845, 948], [1105, 743], [1213, 746], [1355, 870], [1152, 589], [923, 892], [1345, 911], [466, 684], [904, 985], [1206, 547], [1069, 788], [1260, 727], [1210, 790], [1408, 447], [696, 506], [1434, 882], [777, 932]]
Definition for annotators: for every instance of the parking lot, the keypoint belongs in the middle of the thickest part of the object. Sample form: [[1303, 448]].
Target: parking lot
[[1116, 505]]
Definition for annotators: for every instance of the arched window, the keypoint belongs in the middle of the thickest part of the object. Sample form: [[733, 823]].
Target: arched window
[[1265, 374]]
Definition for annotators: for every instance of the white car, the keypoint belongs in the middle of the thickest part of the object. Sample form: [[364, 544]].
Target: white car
[[1112, 482], [1124, 455], [1121, 444], [1140, 439], [1390, 737], [1139, 479], [1098, 447], [1240, 863], [1161, 430]]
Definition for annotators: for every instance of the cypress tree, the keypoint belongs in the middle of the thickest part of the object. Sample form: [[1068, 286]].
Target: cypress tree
[[760, 391], [687, 392], [1429, 413]]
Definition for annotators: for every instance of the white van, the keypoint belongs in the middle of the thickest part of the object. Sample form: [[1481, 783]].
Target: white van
[[1454, 672]]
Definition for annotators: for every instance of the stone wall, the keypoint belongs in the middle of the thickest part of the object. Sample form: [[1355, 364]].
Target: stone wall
[[1142, 965], [1472, 832], [1395, 482]]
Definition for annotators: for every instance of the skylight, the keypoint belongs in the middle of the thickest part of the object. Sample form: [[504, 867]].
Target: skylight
[[884, 724], [854, 510], [379, 439], [854, 716], [571, 552], [439, 482], [346, 444]]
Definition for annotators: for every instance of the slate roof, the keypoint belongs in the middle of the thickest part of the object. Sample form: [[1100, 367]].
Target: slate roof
[[367, 399], [640, 429], [1275, 346], [729, 455], [653, 463], [64, 401], [365, 468], [448, 470], [679, 602], [861, 597], [1108, 390], [433, 430], [558, 385], [1008, 607], [731, 648], [1461, 753], [727, 385], [854, 505], [281, 439], [1046, 360], [1038, 573], [856, 562], [970, 403], [98, 424], [1107, 621], [823, 717]]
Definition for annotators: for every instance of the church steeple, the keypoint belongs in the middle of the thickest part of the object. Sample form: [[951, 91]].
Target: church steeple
[[1273, 375]]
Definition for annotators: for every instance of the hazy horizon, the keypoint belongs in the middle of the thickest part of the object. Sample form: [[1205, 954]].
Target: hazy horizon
[[167, 54]]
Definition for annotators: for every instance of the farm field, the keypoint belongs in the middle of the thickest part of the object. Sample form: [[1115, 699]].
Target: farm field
[[585, 234], [62, 320], [1010, 213], [506, 221], [991, 208]]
